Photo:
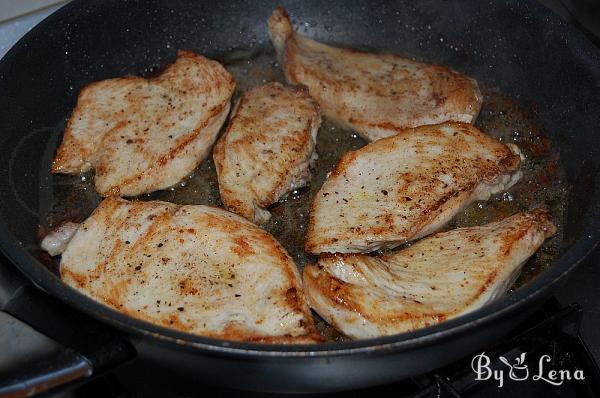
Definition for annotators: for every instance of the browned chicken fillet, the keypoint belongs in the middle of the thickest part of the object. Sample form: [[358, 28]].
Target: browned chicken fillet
[[437, 278], [404, 187], [378, 95], [267, 148], [142, 135], [197, 269]]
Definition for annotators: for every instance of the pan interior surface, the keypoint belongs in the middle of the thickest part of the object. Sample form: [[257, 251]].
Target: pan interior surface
[[540, 93], [72, 198]]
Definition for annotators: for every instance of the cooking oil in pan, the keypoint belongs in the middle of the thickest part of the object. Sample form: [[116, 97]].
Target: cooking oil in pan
[[542, 184]]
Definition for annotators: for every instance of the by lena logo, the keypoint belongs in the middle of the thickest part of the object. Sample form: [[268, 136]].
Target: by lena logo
[[519, 371]]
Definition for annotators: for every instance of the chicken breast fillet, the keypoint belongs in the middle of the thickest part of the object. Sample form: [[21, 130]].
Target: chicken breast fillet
[[197, 269], [267, 148], [378, 95], [435, 279], [407, 186], [142, 135]]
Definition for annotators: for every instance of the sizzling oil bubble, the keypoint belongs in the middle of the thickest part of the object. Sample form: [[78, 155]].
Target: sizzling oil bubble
[[542, 184]]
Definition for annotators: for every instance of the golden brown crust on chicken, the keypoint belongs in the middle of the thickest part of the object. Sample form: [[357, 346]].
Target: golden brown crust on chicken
[[267, 148], [437, 278], [197, 269], [406, 186], [143, 135], [378, 95]]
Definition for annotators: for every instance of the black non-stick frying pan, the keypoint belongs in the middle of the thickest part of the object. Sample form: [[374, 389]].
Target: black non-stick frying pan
[[522, 49]]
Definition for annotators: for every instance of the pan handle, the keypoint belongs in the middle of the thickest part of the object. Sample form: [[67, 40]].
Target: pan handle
[[31, 362], [45, 344]]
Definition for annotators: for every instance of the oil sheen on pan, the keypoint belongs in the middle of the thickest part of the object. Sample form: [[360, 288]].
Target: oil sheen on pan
[[72, 198]]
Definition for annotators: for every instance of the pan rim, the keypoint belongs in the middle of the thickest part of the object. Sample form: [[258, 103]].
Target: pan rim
[[538, 288], [503, 307]]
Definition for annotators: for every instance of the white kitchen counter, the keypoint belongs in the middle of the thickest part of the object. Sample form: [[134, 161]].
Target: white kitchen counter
[[13, 29]]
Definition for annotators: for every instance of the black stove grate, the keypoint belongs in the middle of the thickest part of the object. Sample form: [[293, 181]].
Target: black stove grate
[[552, 331]]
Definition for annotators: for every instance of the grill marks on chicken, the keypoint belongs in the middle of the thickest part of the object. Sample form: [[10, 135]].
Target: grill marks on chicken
[[267, 148], [198, 269], [407, 186], [437, 278], [142, 135], [378, 95]]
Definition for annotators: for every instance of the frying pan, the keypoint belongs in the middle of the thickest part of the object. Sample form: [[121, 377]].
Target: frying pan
[[519, 47]]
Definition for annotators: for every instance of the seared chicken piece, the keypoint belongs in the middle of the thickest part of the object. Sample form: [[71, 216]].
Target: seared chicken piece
[[198, 269], [437, 278], [407, 186], [267, 148], [142, 135], [57, 240], [378, 95]]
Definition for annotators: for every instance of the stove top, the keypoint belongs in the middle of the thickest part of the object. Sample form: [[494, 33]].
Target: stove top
[[561, 337]]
